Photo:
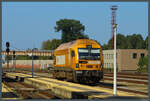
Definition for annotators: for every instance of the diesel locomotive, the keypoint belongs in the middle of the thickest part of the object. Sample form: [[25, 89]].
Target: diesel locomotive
[[79, 61]]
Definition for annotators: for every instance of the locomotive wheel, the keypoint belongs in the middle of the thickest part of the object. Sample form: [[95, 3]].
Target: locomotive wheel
[[75, 79], [69, 76], [54, 75]]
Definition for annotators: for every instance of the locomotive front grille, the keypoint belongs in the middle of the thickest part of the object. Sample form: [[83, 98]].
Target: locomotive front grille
[[89, 66]]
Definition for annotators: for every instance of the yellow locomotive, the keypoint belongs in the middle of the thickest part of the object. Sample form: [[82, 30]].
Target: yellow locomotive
[[79, 61]]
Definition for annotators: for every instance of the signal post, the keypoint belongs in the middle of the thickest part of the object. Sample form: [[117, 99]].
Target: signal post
[[7, 50]]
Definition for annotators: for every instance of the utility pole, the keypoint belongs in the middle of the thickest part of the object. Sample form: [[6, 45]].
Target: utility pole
[[32, 63], [14, 61], [114, 32]]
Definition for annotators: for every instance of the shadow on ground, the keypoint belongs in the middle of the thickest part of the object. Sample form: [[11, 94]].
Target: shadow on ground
[[9, 95], [8, 80], [123, 97], [103, 84]]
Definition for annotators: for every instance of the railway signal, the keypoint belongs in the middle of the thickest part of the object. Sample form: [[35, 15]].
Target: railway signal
[[14, 54], [7, 44], [7, 47], [7, 50]]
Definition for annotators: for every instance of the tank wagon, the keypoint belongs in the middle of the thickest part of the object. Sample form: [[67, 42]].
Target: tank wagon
[[79, 61]]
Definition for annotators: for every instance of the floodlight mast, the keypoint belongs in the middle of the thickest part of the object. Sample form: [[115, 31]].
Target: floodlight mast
[[115, 68], [113, 21], [114, 32]]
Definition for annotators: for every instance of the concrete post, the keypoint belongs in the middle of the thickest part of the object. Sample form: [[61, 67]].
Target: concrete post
[[115, 73]]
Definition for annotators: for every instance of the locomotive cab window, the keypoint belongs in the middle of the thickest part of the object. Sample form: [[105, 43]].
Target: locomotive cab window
[[89, 54]]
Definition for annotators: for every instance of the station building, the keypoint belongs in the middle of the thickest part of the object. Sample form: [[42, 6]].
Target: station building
[[127, 59]]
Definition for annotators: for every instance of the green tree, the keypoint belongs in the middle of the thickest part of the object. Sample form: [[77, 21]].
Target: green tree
[[35, 49], [105, 47], [51, 44], [120, 41], [46, 45], [109, 44], [135, 41], [23, 57], [70, 29], [143, 64], [146, 43]]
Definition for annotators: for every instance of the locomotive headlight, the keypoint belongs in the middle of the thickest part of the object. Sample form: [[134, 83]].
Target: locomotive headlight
[[77, 65]]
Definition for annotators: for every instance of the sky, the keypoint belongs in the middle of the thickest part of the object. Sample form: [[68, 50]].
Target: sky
[[27, 24]]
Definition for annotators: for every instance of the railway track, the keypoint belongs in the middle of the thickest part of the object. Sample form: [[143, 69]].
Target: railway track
[[127, 80], [140, 79], [132, 82], [122, 87], [26, 91], [133, 76], [129, 74], [98, 86], [110, 86], [130, 78]]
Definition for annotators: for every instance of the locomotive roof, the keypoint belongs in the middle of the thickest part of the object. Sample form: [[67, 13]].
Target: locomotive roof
[[66, 45], [70, 44]]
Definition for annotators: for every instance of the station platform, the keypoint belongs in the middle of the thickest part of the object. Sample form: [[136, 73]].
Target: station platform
[[69, 90]]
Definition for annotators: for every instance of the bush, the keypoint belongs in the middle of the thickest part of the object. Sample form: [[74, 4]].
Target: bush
[[143, 64]]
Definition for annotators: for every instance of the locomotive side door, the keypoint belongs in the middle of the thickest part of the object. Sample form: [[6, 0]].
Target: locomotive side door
[[73, 63]]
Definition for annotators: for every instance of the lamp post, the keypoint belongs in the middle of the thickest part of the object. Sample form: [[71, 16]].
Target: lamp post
[[14, 61], [32, 63], [115, 71]]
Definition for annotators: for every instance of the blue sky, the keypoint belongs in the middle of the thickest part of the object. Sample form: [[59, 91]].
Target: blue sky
[[27, 24]]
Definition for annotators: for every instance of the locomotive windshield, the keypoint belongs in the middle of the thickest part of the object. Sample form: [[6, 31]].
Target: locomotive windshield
[[89, 53]]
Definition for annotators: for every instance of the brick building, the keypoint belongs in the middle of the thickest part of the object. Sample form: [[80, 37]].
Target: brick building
[[127, 59]]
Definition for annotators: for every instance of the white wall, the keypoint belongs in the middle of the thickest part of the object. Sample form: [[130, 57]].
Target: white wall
[[29, 62]]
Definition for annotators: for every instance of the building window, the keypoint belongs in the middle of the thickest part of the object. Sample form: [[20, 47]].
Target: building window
[[142, 55], [134, 55]]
